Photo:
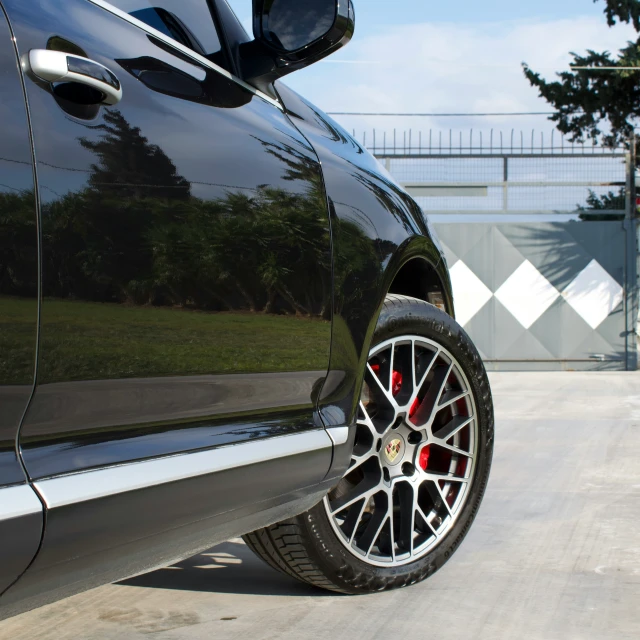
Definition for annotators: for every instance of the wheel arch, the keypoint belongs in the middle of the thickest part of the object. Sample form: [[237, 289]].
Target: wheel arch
[[417, 278], [416, 270]]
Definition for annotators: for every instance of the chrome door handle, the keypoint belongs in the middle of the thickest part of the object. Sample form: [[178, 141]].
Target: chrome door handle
[[57, 66]]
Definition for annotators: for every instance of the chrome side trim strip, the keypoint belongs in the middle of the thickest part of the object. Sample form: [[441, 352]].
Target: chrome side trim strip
[[100, 483], [183, 49], [339, 435], [18, 501]]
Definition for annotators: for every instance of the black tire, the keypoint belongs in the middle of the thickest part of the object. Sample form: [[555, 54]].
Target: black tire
[[307, 547]]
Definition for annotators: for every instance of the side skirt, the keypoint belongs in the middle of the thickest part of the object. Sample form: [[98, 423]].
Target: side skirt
[[108, 524], [20, 531]]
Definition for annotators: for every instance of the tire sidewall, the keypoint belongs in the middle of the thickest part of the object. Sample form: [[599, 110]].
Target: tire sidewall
[[402, 316]]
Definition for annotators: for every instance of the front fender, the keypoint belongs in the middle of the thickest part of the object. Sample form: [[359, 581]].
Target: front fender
[[376, 229]]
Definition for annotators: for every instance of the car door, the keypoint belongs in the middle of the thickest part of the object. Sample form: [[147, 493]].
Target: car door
[[20, 509], [185, 322]]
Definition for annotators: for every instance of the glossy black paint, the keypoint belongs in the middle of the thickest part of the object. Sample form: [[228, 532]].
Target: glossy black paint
[[291, 35], [194, 254], [18, 260], [185, 234], [86, 545], [376, 229], [20, 539], [147, 418]]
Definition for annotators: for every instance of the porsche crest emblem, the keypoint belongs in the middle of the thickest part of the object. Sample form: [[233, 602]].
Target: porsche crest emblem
[[393, 449]]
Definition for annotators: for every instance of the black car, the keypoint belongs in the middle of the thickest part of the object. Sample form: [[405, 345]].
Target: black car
[[219, 315]]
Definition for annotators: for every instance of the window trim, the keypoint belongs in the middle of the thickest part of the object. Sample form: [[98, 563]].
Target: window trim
[[232, 44], [185, 50], [222, 35]]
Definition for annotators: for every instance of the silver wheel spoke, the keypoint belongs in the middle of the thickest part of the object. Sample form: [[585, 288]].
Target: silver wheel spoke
[[426, 520], [358, 520], [456, 450], [367, 420], [441, 388], [417, 387], [377, 535], [429, 490], [391, 525], [449, 477], [381, 387], [447, 401], [436, 495], [428, 408], [345, 502], [452, 427], [357, 461]]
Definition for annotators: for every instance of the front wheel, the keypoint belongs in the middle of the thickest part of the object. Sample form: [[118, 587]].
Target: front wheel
[[419, 468]]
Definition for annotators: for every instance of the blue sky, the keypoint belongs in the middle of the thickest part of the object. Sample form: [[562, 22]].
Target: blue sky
[[375, 15], [427, 56]]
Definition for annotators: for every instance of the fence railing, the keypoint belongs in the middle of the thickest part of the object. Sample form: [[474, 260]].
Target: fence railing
[[489, 176], [480, 142]]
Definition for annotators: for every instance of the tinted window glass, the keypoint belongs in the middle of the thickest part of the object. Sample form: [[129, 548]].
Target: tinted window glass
[[189, 22]]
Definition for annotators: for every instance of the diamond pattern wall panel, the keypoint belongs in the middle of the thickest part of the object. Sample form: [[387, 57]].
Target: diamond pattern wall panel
[[540, 294], [481, 259], [527, 294], [561, 329], [550, 248], [471, 293], [594, 294]]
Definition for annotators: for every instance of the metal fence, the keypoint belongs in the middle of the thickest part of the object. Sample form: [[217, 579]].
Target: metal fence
[[540, 237], [514, 173]]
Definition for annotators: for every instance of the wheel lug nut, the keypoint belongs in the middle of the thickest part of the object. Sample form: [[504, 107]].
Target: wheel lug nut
[[415, 437], [385, 474]]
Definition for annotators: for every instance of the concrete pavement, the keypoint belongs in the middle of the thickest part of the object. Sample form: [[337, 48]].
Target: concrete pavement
[[554, 553]]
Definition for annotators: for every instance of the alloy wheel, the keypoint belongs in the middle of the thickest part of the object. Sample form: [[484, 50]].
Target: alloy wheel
[[414, 455]]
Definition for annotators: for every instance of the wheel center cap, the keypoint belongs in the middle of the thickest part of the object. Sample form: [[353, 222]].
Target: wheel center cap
[[393, 450]]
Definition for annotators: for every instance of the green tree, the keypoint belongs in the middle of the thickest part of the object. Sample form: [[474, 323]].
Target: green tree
[[18, 244], [591, 103]]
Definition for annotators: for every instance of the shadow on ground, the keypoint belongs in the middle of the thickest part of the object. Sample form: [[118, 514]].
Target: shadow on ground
[[230, 567]]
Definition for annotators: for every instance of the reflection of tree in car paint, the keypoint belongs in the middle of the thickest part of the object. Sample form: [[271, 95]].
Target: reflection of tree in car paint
[[231, 253], [243, 252]]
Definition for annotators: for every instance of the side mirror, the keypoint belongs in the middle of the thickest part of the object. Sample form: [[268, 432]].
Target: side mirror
[[293, 34]]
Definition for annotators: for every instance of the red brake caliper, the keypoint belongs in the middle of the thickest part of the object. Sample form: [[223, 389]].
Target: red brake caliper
[[396, 385], [423, 461]]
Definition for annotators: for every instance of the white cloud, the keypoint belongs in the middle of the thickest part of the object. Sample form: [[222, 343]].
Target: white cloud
[[444, 68]]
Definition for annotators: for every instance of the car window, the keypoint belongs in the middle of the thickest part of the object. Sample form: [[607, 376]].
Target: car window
[[188, 22]]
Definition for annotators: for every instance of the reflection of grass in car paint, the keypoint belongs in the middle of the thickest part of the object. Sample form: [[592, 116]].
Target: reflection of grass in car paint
[[93, 341], [17, 339]]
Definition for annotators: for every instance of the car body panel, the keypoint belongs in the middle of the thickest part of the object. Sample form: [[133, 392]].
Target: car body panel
[[376, 228], [180, 403], [20, 531], [154, 339], [143, 363], [18, 260], [21, 513], [94, 536]]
